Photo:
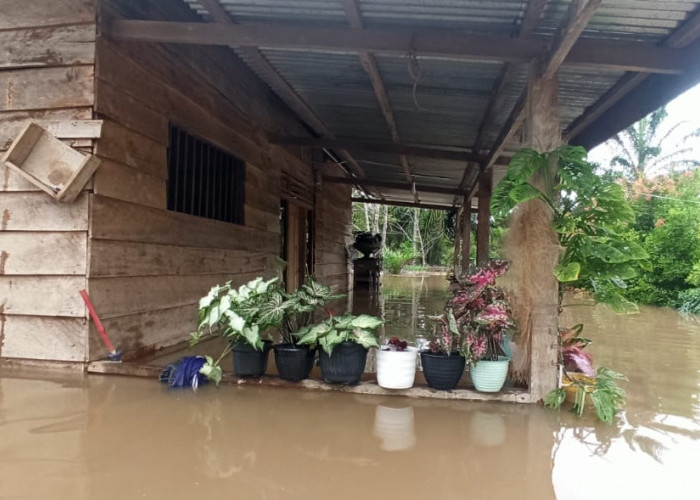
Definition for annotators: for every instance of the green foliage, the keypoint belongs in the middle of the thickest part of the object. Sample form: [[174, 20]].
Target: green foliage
[[603, 392], [335, 330], [239, 315], [394, 260], [589, 216], [689, 301], [244, 314]]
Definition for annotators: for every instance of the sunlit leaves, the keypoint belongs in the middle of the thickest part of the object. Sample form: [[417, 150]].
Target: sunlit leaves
[[568, 272]]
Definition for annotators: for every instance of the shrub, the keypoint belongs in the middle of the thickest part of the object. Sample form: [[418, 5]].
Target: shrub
[[689, 301], [395, 259]]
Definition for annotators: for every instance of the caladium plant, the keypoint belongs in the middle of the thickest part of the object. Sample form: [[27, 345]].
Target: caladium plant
[[335, 330]]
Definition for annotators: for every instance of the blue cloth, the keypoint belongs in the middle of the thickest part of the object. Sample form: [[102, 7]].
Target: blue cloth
[[184, 372]]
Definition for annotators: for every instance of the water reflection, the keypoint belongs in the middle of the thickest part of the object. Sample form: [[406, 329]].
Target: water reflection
[[394, 426], [75, 436], [405, 303]]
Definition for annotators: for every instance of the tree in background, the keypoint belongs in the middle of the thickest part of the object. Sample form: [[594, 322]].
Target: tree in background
[[645, 148]]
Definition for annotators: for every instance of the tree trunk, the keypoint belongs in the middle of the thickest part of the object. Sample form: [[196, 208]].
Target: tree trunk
[[366, 207], [384, 226], [377, 212]]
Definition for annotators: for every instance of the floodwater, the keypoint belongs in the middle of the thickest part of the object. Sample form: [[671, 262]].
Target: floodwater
[[100, 437]]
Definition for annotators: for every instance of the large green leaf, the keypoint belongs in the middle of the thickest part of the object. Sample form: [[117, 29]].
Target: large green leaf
[[366, 321], [251, 334], [524, 192], [365, 338], [235, 322], [568, 272]]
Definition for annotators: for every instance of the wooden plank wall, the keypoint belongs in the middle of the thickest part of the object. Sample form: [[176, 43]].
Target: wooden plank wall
[[46, 73], [149, 266]]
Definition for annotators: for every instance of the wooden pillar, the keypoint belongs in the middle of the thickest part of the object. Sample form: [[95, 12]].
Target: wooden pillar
[[543, 133], [456, 267], [483, 219], [466, 233]]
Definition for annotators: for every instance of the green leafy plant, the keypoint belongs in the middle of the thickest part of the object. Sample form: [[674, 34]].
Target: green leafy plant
[[394, 260], [239, 315], [335, 330], [689, 301], [602, 390], [589, 214], [298, 307]]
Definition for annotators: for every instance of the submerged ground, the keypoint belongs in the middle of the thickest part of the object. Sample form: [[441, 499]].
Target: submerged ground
[[77, 437]]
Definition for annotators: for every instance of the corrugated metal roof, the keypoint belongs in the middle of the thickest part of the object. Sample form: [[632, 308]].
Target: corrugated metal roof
[[448, 104], [648, 21]]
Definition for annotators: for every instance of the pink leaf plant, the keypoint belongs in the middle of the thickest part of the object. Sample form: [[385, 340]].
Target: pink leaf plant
[[475, 317]]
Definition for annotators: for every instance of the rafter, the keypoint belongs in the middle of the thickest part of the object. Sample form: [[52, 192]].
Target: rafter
[[428, 206], [278, 84], [615, 56], [375, 183], [369, 63], [356, 144], [579, 15], [531, 18], [682, 38]]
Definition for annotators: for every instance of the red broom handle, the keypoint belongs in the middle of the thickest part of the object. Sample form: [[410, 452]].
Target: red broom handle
[[96, 320]]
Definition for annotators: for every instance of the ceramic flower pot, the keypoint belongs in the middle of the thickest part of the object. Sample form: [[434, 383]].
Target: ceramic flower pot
[[489, 376], [442, 372], [345, 365], [294, 363], [396, 369], [248, 362]]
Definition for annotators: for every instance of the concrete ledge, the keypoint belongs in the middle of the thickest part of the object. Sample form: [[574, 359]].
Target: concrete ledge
[[511, 395]]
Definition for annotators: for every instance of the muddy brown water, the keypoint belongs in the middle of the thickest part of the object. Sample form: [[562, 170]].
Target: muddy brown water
[[97, 437]]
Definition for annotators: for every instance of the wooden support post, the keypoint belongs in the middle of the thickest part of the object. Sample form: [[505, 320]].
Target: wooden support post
[[466, 233], [483, 218], [543, 133], [456, 266]]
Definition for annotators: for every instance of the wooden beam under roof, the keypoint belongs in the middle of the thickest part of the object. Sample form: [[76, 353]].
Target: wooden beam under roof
[[531, 18], [428, 206], [578, 16], [683, 37], [375, 183], [369, 63], [610, 55], [356, 144], [278, 84]]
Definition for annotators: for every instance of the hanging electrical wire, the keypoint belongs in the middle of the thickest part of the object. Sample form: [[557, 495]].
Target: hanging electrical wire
[[416, 73]]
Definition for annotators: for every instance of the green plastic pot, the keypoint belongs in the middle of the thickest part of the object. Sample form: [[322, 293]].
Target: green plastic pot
[[489, 376]]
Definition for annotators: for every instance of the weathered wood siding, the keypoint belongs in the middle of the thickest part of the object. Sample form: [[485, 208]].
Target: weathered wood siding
[[149, 266], [145, 267], [47, 52]]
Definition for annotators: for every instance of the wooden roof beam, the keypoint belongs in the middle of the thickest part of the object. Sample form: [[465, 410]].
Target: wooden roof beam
[[375, 183], [369, 63], [355, 144], [615, 56], [683, 37], [275, 81], [579, 15], [428, 206], [531, 18]]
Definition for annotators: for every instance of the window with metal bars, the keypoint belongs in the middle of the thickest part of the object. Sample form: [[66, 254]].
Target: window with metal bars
[[204, 180]]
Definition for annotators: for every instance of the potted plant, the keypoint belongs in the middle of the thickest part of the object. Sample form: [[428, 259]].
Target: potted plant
[[294, 361], [344, 342], [396, 364], [443, 363], [482, 310], [238, 316]]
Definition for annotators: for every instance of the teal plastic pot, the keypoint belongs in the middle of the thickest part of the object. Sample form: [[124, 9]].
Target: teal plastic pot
[[489, 376]]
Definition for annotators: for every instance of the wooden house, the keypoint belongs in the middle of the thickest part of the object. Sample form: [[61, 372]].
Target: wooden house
[[230, 133]]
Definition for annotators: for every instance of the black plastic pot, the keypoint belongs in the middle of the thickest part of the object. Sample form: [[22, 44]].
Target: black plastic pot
[[345, 366], [442, 372], [294, 362], [248, 362]]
